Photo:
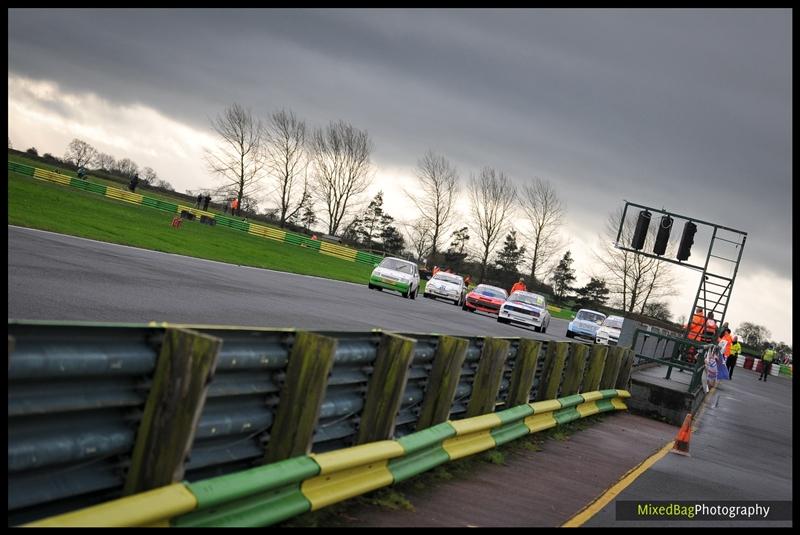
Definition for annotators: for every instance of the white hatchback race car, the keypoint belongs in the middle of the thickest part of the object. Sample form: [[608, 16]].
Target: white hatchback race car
[[526, 307], [609, 331], [395, 274], [447, 286]]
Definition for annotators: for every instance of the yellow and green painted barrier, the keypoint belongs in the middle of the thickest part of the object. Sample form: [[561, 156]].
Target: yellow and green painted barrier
[[262, 231], [274, 492]]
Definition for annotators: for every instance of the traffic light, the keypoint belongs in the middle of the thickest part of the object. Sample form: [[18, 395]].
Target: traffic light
[[687, 240], [640, 233], [663, 235]]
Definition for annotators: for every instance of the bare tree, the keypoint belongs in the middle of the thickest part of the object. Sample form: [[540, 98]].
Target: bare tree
[[544, 212], [436, 196], [287, 162], [149, 176], [341, 156], [420, 237], [634, 279], [80, 153], [126, 167], [240, 158], [104, 161], [492, 198]]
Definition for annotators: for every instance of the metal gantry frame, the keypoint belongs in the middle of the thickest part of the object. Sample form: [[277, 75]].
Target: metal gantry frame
[[704, 297]]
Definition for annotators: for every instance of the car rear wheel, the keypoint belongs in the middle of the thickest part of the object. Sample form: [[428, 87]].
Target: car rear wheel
[[544, 328], [570, 334], [414, 294]]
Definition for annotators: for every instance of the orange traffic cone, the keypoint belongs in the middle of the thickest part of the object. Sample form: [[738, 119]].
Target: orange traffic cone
[[681, 446]]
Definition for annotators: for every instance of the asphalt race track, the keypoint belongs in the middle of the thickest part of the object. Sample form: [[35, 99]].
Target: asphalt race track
[[57, 277]]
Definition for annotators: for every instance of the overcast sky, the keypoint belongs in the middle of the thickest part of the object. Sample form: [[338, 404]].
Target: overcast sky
[[689, 110]]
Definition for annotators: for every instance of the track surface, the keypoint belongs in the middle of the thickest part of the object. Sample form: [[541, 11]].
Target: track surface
[[57, 277]]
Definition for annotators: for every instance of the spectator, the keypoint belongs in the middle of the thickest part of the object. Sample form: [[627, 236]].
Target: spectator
[[696, 327], [134, 182], [519, 286], [736, 348], [726, 337], [767, 358], [199, 200], [206, 200], [82, 173], [711, 367], [435, 270], [235, 206], [710, 333]]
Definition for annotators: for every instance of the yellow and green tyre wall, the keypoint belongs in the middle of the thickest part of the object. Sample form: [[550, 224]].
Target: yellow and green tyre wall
[[262, 231]]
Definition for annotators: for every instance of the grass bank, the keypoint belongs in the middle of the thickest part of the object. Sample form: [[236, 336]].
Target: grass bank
[[36, 204]]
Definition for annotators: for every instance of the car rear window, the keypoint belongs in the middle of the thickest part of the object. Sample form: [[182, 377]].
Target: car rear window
[[491, 292], [397, 265], [448, 277], [590, 316], [536, 300]]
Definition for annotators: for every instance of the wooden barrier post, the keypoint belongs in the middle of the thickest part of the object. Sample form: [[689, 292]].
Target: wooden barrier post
[[594, 372], [624, 374], [301, 397], [386, 388], [573, 375], [611, 369], [184, 368], [488, 376], [443, 381], [519, 392], [554, 361]]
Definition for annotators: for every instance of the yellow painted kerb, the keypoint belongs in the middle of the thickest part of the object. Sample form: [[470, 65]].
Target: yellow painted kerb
[[545, 406], [475, 424], [587, 409], [619, 404], [464, 445], [592, 396], [146, 508], [540, 422], [336, 461], [324, 490]]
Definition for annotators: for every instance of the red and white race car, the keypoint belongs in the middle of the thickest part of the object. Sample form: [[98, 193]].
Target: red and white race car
[[485, 298]]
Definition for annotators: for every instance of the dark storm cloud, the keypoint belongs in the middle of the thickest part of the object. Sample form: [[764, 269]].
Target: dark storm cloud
[[690, 110]]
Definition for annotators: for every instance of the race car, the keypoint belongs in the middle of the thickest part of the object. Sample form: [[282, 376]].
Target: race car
[[526, 307], [608, 333], [485, 298], [446, 286], [396, 274], [586, 323]]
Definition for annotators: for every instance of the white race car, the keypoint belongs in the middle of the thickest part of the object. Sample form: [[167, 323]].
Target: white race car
[[526, 307], [396, 274], [447, 286], [609, 331]]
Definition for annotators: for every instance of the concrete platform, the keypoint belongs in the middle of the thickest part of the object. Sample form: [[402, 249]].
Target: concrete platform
[[669, 400]]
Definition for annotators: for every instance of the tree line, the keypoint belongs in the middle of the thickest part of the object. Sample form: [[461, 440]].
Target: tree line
[[80, 154]]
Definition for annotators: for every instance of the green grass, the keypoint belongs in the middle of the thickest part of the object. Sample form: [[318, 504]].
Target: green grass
[[36, 204], [563, 313]]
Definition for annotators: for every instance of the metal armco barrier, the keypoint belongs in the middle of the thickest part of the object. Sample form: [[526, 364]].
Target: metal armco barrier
[[330, 249], [102, 411], [269, 494]]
